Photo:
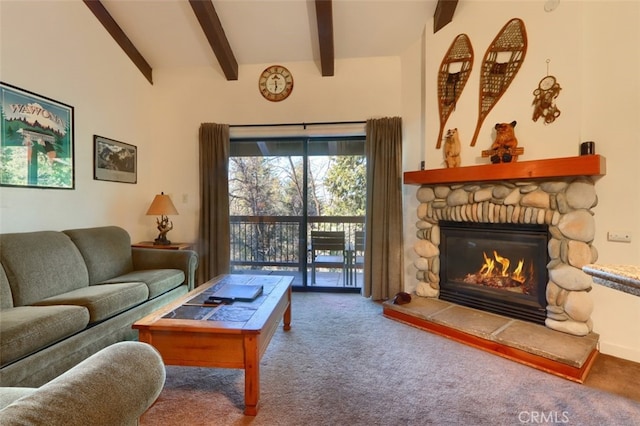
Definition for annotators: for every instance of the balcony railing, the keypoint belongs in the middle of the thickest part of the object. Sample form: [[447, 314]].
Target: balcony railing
[[281, 242]]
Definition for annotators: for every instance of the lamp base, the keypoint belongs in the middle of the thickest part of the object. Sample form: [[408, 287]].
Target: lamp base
[[161, 241], [164, 226]]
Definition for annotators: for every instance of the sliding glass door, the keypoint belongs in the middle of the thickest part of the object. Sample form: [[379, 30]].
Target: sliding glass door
[[283, 190]]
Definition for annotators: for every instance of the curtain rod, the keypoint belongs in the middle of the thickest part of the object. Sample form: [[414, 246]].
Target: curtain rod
[[304, 125]]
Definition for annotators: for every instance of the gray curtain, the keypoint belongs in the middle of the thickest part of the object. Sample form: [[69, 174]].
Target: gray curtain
[[383, 266], [213, 242]]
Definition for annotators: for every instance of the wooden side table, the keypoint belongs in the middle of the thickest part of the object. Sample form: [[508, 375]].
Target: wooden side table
[[173, 246]]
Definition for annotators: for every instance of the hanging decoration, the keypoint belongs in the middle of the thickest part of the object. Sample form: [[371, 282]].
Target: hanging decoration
[[453, 75], [544, 97], [510, 47]]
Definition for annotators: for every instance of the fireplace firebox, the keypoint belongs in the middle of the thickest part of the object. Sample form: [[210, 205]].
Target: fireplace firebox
[[496, 267]]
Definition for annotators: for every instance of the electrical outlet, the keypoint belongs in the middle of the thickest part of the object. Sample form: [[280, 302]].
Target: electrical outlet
[[185, 198], [622, 236]]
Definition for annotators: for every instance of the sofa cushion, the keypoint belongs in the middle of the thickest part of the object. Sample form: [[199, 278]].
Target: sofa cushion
[[106, 251], [158, 280], [40, 265], [102, 301], [26, 329], [6, 299]]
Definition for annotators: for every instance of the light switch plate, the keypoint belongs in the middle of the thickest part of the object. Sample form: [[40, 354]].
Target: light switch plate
[[622, 236]]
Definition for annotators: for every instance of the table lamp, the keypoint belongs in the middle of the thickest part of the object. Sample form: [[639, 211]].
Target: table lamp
[[162, 205]]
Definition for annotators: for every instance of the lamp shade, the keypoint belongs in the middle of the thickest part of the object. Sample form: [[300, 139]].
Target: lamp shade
[[162, 206]]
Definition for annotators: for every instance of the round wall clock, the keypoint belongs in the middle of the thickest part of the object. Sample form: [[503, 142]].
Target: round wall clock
[[275, 83]]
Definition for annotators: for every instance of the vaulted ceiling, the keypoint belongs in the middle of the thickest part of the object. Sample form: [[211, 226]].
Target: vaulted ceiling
[[224, 33]]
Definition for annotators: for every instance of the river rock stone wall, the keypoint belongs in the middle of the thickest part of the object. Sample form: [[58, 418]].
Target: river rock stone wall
[[565, 205]]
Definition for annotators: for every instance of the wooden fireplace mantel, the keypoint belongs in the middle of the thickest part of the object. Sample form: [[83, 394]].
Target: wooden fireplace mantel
[[584, 165]]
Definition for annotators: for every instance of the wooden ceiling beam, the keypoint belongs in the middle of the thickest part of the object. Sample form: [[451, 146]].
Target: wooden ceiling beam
[[120, 37], [443, 14], [324, 17], [210, 23]]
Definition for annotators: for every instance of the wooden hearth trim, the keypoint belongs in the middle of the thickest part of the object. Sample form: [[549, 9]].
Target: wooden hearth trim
[[556, 368], [585, 165]]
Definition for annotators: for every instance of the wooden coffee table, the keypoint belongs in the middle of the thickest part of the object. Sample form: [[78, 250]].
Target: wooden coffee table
[[188, 332]]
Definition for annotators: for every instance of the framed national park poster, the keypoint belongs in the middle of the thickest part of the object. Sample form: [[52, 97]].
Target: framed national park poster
[[36, 140]]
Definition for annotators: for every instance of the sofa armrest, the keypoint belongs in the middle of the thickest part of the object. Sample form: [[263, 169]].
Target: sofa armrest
[[185, 260], [112, 387]]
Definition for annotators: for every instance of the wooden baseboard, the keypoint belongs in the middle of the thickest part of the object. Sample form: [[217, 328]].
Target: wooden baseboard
[[560, 369]]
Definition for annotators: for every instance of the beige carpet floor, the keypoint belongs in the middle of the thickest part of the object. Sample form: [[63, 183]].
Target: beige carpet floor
[[343, 363]]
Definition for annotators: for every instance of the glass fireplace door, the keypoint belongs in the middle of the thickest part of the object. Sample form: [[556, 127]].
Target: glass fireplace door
[[501, 268]]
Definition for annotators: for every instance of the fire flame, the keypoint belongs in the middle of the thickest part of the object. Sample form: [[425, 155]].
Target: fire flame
[[500, 266]]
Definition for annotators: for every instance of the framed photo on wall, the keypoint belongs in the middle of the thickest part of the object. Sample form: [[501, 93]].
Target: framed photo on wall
[[36, 140], [114, 161]]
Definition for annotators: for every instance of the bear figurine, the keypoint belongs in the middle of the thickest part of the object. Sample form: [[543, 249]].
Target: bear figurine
[[505, 144]]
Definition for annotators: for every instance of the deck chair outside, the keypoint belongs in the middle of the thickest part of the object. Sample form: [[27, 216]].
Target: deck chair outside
[[327, 251]]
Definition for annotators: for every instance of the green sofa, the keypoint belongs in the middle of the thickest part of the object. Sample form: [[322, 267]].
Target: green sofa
[[66, 295], [113, 387]]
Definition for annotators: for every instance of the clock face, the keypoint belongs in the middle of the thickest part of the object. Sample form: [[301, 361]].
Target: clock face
[[275, 83]]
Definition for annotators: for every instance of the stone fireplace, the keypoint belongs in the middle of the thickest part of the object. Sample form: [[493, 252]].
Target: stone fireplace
[[558, 194]]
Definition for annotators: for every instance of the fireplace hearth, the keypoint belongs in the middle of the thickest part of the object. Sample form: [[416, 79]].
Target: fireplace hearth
[[500, 268]]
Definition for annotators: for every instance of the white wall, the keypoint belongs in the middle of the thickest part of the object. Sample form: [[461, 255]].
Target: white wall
[[413, 151], [185, 98], [611, 115], [597, 66], [59, 50]]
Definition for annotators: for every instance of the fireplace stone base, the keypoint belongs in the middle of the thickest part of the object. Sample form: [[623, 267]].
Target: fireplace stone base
[[561, 354], [564, 204]]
